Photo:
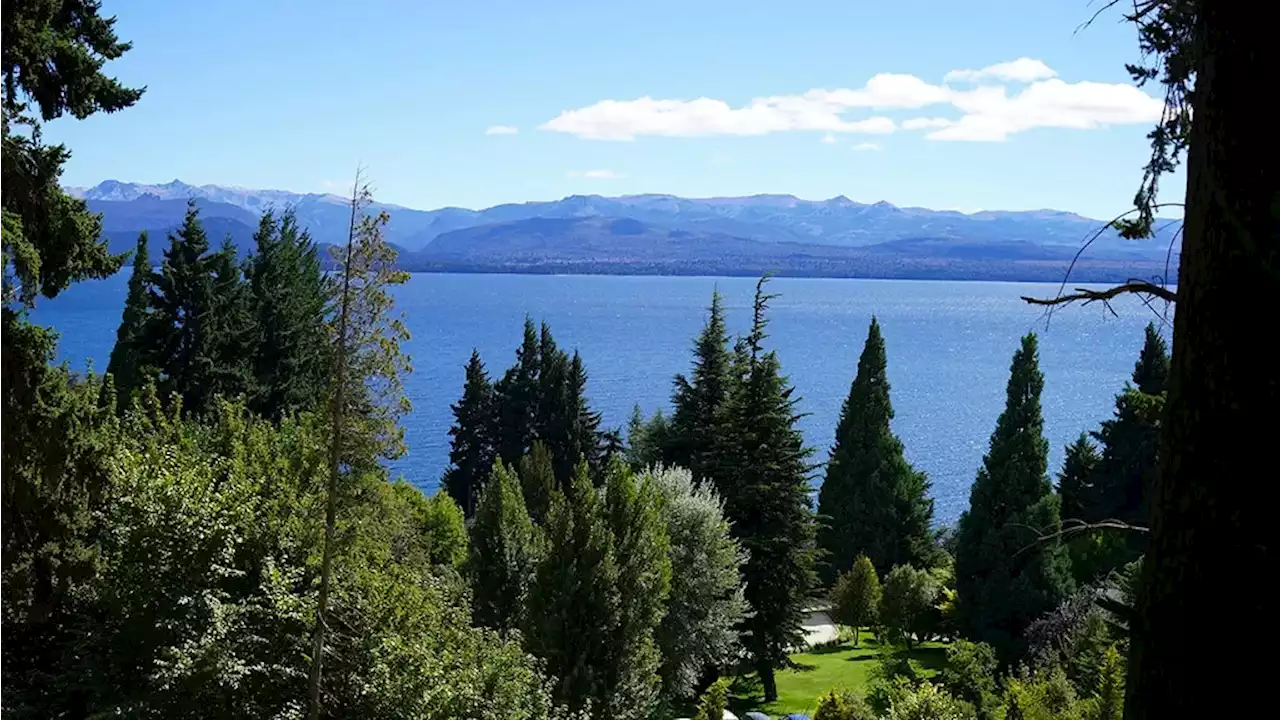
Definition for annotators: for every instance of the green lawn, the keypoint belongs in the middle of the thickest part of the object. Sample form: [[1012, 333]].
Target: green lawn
[[841, 667]]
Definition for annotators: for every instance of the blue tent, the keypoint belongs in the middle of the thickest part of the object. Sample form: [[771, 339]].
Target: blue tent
[[797, 716]]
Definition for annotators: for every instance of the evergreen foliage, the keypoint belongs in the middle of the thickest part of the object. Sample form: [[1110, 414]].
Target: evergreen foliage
[[695, 434], [53, 58], [127, 366], [767, 500], [289, 297], [699, 630], [646, 439], [574, 612], [517, 399], [1006, 574], [366, 394], [505, 551], [538, 481], [1075, 483], [872, 501], [855, 599], [471, 451], [633, 508]]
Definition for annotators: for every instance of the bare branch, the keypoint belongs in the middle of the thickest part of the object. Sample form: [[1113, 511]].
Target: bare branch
[[1086, 296]]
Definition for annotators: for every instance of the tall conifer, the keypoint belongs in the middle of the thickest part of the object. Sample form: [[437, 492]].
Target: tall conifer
[[574, 608], [872, 501], [505, 550], [289, 294], [471, 451], [693, 439], [766, 493], [128, 364], [517, 398], [1007, 573]]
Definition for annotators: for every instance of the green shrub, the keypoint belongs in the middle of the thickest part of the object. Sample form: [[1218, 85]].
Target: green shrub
[[842, 706]]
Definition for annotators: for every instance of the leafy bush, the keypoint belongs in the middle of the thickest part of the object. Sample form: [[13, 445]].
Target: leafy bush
[[1041, 695], [970, 674], [855, 599], [907, 607], [711, 705], [842, 706], [929, 702]]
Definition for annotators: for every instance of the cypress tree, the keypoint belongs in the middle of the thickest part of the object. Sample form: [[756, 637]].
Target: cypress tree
[[872, 501], [471, 451], [574, 608], [641, 546], [767, 498], [1006, 575], [517, 399], [505, 550], [128, 358], [699, 400], [289, 295]]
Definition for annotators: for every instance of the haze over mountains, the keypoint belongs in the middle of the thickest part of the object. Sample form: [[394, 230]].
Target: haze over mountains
[[669, 235]]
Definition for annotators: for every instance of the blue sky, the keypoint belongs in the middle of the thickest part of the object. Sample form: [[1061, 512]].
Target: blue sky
[[865, 99]]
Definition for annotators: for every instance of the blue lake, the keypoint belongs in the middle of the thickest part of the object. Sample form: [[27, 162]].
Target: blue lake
[[949, 346]]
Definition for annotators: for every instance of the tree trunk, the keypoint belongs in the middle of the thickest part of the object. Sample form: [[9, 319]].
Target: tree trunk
[[769, 681], [856, 633], [1209, 561]]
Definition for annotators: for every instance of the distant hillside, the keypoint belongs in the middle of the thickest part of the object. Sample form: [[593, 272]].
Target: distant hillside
[[667, 234]]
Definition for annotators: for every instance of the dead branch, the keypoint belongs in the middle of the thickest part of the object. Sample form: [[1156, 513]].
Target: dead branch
[[1086, 296]]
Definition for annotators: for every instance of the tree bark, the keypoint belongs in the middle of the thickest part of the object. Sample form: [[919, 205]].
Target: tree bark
[[769, 681], [1209, 561]]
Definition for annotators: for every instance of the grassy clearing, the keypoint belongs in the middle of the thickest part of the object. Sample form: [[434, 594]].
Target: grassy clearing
[[842, 667]]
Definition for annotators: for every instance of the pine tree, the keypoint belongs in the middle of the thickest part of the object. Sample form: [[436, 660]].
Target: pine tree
[[1130, 441], [1006, 574], [538, 480], [574, 609], [872, 501], [641, 546], [505, 551], [180, 341], [645, 439], [1075, 483], [289, 295], [366, 394], [1119, 485], [700, 400], [585, 437], [127, 365], [767, 499], [232, 325], [517, 399], [471, 452]]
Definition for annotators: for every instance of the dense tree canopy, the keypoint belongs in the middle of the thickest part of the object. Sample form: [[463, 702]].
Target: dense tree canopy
[[872, 501], [1007, 572]]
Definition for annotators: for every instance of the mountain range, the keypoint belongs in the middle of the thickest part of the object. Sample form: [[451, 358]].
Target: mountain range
[[667, 234]]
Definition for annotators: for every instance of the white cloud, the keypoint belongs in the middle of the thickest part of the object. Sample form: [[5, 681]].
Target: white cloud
[[627, 119], [1023, 70], [596, 174], [925, 123], [864, 147], [828, 139], [989, 113], [501, 130]]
